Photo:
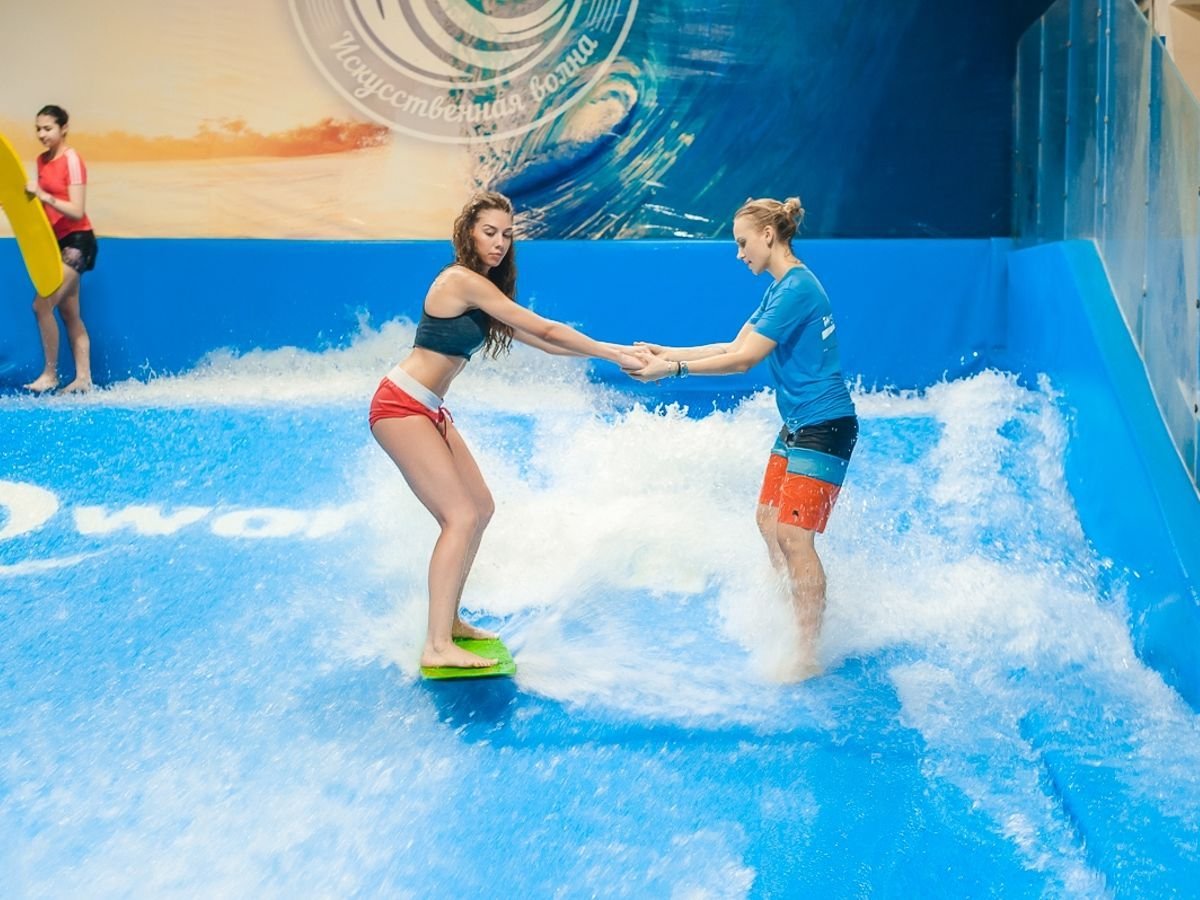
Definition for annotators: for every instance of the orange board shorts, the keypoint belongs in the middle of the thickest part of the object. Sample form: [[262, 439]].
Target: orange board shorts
[[805, 472]]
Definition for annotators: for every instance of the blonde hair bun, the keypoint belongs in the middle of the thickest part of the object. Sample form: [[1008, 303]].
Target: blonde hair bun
[[784, 217]]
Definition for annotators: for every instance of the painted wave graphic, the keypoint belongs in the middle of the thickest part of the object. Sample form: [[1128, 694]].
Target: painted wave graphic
[[599, 170], [452, 42], [700, 112]]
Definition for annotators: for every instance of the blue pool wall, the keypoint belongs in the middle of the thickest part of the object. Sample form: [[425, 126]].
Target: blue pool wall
[[1104, 140], [1105, 136], [1133, 493], [910, 313]]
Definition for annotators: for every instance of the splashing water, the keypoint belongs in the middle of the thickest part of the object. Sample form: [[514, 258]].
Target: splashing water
[[210, 648]]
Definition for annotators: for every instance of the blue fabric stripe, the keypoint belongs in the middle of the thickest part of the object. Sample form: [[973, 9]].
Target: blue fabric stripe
[[815, 464]]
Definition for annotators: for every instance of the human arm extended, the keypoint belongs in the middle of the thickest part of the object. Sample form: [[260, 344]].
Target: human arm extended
[[747, 350], [528, 327], [702, 351], [546, 347]]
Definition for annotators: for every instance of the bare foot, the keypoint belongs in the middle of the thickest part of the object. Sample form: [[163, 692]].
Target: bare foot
[[454, 656], [462, 629], [799, 669], [42, 384], [78, 386]]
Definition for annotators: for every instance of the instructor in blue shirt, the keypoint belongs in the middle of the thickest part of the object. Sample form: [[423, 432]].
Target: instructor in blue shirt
[[794, 331]]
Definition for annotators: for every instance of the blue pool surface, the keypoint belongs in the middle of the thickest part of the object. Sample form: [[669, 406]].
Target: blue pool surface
[[211, 605]]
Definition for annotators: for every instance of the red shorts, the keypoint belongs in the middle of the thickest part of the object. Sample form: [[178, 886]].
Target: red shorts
[[390, 402], [801, 500]]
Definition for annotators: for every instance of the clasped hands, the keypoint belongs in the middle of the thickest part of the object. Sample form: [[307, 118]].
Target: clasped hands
[[646, 362]]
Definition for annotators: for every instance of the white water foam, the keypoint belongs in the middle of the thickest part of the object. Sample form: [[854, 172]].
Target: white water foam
[[625, 569]]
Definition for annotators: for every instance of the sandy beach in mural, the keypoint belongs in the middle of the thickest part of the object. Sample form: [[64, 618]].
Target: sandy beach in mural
[[383, 192], [211, 120]]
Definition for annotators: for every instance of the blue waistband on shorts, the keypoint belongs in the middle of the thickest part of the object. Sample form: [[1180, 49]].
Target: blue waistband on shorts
[[815, 464]]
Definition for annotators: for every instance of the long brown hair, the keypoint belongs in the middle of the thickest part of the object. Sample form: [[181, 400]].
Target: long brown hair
[[503, 275]]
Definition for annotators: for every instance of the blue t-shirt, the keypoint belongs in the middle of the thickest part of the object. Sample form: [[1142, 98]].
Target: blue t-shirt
[[795, 313]]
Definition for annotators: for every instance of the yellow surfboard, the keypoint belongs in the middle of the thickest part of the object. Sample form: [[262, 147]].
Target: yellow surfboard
[[31, 228]]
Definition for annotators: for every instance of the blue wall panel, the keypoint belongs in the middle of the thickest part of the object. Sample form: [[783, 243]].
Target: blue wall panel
[[1134, 498], [1052, 130], [1084, 118], [1122, 234], [1027, 107], [1130, 176], [1170, 319], [911, 311]]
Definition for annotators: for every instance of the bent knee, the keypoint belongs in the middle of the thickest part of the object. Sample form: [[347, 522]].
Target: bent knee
[[462, 519], [795, 541]]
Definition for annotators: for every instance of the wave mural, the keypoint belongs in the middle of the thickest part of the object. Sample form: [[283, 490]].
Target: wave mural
[[602, 118], [875, 117]]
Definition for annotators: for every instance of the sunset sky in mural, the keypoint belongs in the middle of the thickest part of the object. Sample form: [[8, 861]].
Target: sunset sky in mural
[[215, 109], [161, 69]]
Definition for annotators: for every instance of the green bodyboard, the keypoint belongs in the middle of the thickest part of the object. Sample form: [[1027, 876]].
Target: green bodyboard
[[492, 647]]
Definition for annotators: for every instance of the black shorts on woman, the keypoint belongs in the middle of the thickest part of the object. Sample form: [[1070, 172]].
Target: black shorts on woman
[[79, 250]]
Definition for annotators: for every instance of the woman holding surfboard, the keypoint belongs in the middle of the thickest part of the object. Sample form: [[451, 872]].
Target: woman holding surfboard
[[468, 308], [61, 185]]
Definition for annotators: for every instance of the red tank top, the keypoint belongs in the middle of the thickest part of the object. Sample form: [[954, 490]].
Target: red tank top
[[55, 177]]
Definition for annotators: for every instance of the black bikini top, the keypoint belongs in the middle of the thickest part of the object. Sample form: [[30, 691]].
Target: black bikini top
[[460, 335]]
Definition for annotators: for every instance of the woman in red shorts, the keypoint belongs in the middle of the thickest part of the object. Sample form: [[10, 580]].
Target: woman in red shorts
[[468, 307], [793, 330], [61, 185]]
